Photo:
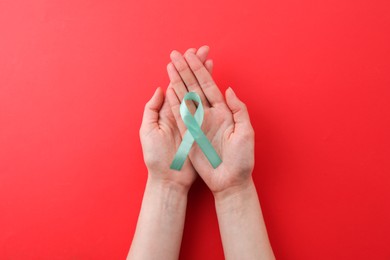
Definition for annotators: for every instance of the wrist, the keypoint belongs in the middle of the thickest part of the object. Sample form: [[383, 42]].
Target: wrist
[[235, 193], [166, 186]]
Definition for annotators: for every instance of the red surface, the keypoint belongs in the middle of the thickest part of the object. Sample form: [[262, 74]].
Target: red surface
[[74, 77]]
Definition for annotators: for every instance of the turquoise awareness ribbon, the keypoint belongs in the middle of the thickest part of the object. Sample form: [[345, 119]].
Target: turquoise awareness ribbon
[[194, 133]]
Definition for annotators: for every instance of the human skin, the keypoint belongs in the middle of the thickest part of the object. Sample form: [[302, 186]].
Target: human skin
[[227, 125], [161, 221]]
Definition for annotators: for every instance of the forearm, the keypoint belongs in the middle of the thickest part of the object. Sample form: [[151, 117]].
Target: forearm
[[161, 221], [243, 232]]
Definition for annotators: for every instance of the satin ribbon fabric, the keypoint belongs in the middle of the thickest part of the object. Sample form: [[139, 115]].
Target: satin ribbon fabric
[[194, 133]]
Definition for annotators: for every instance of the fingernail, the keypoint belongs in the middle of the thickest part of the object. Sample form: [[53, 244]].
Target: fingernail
[[206, 46], [232, 91], [187, 54], [175, 54], [211, 62]]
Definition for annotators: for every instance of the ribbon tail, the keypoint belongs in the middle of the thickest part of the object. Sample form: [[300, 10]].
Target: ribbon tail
[[182, 152], [208, 150], [203, 142]]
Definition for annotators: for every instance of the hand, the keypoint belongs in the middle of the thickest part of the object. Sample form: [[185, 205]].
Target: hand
[[226, 125], [160, 137]]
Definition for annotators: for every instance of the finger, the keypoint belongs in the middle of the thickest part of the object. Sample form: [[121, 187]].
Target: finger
[[186, 74], [151, 111], [202, 53], [175, 81], [174, 102], [209, 64], [177, 84], [165, 114], [210, 89], [239, 111], [193, 50]]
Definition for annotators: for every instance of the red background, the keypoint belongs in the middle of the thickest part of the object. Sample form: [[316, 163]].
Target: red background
[[75, 75]]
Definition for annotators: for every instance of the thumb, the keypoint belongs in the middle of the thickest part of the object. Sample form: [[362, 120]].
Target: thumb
[[238, 108], [152, 109]]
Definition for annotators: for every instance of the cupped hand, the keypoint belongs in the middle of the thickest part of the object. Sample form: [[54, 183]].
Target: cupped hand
[[226, 124], [160, 137]]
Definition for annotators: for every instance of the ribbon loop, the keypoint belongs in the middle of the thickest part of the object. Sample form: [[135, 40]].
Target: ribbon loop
[[194, 133]]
